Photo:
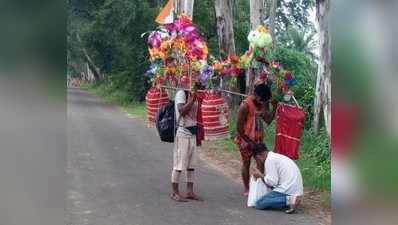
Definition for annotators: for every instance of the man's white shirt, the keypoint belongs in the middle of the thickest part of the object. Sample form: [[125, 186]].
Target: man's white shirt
[[189, 119]]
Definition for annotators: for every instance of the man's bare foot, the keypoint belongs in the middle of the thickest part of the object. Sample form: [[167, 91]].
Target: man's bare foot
[[293, 204], [193, 196], [177, 197]]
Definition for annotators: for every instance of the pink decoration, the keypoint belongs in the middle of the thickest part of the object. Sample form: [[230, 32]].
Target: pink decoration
[[155, 39]]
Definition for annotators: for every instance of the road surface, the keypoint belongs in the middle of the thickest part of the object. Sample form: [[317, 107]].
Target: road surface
[[118, 173]]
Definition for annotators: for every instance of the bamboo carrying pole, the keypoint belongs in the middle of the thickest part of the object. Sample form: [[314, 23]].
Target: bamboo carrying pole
[[186, 89], [295, 101], [222, 90]]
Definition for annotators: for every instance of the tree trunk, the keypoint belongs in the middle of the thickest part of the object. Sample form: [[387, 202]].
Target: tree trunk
[[91, 64], [257, 14], [225, 32], [184, 6], [176, 6], [272, 17], [225, 27], [323, 84], [233, 2]]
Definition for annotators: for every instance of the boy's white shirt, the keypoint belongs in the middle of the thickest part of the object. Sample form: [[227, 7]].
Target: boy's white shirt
[[283, 174]]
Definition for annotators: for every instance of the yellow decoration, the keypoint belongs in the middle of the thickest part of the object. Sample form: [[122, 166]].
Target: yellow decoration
[[166, 45], [179, 44], [262, 28], [245, 61], [156, 53], [217, 66], [170, 70]]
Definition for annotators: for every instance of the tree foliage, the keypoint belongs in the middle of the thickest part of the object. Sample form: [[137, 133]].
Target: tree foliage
[[110, 31], [294, 13], [301, 40]]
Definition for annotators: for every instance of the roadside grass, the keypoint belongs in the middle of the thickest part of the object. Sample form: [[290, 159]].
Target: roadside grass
[[116, 97], [136, 109], [314, 159]]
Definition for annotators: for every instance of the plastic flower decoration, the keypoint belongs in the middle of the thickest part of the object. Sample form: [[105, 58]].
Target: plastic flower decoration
[[244, 61], [184, 29], [152, 70], [180, 45], [155, 54], [282, 86], [155, 39], [289, 79], [260, 38], [234, 59], [217, 66], [275, 65], [170, 70], [159, 79], [197, 50], [205, 74], [264, 76], [181, 49], [166, 45]]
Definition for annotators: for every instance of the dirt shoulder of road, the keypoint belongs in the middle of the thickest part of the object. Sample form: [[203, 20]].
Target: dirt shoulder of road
[[228, 163]]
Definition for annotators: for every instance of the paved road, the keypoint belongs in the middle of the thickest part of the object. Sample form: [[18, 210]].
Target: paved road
[[118, 174]]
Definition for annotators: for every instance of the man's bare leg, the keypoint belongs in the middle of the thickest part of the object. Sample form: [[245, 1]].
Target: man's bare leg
[[175, 195], [246, 176], [190, 193]]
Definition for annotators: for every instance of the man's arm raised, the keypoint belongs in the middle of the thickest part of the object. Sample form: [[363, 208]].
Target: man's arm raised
[[267, 115], [184, 108]]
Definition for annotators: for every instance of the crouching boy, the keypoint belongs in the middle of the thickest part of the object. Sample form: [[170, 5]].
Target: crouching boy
[[281, 175]]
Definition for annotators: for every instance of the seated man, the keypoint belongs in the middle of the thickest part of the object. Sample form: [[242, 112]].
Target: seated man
[[281, 175]]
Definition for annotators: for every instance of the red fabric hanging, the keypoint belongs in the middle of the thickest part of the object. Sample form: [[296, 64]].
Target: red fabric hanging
[[289, 127], [200, 136]]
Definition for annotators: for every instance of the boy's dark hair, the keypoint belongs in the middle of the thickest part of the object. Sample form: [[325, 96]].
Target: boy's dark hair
[[259, 148], [263, 91]]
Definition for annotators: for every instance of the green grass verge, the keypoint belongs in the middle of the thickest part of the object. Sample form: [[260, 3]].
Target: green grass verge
[[136, 109], [118, 98]]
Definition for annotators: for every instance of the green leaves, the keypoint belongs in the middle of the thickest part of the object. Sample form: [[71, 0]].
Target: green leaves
[[302, 40], [315, 159], [110, 31], [294, 13]]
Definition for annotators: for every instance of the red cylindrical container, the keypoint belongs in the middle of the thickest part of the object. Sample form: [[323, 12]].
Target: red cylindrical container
[[155, 99], [215, 116]]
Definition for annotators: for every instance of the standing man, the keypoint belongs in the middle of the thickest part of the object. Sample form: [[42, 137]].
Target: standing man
[[281, 175], [184, 158], [250, 130]]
